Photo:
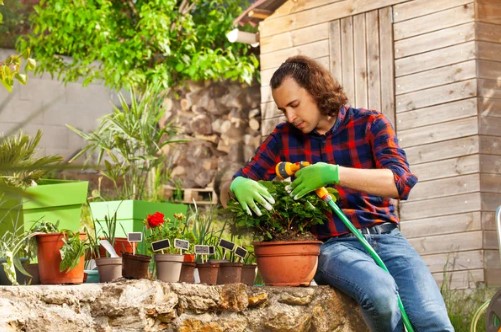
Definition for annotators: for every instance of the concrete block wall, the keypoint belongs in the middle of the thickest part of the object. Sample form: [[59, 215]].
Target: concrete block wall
[[47, 104]]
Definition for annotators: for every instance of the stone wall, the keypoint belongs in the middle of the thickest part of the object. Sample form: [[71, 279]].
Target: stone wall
[[145, 305]]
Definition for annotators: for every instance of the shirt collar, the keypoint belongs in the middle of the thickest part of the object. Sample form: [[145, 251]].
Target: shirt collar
[[341, 115]]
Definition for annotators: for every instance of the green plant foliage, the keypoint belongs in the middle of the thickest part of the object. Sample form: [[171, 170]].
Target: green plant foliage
[[72, 250], [19, 166], [129, 141], [131, 43], [290, 219]]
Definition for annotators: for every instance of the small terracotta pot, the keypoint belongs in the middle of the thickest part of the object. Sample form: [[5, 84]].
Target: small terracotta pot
[[49, 258], [249, 274], [135, 266], [287, 263], [189, 258], [187, 273], [121, 245], [110, 268], [208, 272], [229, 273], [168, 267]]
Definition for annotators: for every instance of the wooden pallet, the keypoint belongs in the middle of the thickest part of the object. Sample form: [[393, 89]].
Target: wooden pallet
[[199, 196]]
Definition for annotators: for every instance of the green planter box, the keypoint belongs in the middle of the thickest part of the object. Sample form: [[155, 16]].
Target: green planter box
[[131, 213], [53, 200]]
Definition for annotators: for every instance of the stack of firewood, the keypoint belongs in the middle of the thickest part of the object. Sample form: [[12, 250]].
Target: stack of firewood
[[222, 123]]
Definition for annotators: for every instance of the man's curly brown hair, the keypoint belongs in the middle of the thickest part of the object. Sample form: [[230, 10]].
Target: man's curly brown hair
[[314, 78]]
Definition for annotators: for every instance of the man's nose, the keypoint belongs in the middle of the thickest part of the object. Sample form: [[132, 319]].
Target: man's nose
[[290, 115]]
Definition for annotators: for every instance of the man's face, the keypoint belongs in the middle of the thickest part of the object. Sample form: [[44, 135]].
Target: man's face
[[299, 107]]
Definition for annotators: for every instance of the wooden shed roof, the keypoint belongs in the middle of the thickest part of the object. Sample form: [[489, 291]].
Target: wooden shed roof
[[258, 11]]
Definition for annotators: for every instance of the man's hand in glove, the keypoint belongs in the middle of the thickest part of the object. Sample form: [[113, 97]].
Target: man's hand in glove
[[313, 177], [249, 192]]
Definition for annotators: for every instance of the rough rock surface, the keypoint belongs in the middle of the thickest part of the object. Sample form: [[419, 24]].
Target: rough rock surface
[[145, 305]]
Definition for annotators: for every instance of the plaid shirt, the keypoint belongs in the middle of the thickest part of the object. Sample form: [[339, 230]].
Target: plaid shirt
[[360, 138]]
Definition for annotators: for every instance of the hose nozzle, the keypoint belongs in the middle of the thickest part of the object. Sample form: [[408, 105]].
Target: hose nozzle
[[287, 169]]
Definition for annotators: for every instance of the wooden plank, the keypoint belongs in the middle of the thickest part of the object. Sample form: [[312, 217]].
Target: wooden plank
[[436, 95], [294, 38], [488, 32], [489, 51], [455, 223], [489, 88], [492, 258], [490, 183], [493, 277], [373, 60], [488, 220], [490, 125], [434, 21], [298, 6], [437, 114], [335, 60], [439, 132], [387, 64], [490, 239], [268, 125], [489, 107], [490, 164], [435, 40], [269, 110], [445, 149], [490, 201], [489, 144], [348, 70], [460, 279], [436, 76], [417, 8], [447, 168], [456, 261], [314, 50], [360, 61], [448, 243], [446, 187], [488, 12], [437, 58], [489, 69], [427, 208], [333, 11]]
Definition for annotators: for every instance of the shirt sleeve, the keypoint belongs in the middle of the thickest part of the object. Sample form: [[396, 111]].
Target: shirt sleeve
[[389, 154], [262, 165]]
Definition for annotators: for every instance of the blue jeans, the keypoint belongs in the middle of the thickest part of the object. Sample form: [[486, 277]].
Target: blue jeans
[[345, 265]]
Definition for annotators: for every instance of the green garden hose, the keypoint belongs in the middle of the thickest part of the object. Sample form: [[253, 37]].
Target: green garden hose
[[324, 195]]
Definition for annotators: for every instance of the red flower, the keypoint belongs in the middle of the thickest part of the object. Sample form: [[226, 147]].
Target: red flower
[[155, 220]]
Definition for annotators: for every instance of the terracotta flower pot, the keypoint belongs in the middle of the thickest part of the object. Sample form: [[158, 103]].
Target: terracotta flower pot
[[168, 267], [110, 268], [135, 266], [49, 258], [189, 258], [287, 263], [229, 273], [187, 273], [208, 272], [248, 274]]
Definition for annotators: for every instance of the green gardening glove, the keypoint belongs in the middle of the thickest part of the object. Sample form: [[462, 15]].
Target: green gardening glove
[[313, 177], [248, 192]]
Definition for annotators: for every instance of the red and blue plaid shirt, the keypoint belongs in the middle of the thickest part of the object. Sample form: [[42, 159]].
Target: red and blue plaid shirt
[[360, 138]]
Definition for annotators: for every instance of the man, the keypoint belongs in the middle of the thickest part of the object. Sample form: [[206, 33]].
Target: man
[[357, 152]]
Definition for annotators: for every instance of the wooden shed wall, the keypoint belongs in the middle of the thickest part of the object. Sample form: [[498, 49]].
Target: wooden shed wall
[[434, 68]]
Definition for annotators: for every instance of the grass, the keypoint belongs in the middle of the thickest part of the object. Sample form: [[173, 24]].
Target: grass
[[463, 305]]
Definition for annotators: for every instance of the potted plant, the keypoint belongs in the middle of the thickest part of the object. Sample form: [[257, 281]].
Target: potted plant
[[164, 238], [60, 254], [285, 235], [109, 267], [129, 144], [30, 196]]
